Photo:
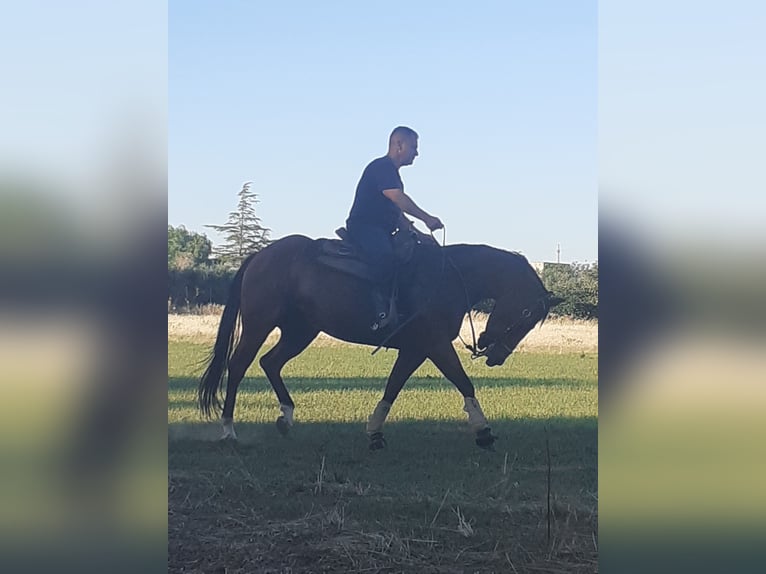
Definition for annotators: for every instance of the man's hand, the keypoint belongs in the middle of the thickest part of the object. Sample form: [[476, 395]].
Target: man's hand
[[433, 223], [405, 203]]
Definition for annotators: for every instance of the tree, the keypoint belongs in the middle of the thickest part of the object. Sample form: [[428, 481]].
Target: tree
[[243, 231], [187, 249]]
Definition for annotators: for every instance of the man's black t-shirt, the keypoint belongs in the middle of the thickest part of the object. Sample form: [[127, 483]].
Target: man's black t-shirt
[[370, 206]]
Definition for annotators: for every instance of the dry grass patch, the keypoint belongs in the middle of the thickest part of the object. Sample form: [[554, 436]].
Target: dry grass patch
[[556, 335]]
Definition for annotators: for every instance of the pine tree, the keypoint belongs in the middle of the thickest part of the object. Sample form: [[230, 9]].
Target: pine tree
[[243, 231]]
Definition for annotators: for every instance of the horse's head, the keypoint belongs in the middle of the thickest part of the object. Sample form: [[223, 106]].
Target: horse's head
[[512, 318]]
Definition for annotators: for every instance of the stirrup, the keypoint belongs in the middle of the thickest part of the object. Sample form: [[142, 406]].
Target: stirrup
[[384, 321]]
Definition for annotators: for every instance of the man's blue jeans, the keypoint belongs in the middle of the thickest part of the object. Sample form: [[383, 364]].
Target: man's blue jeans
[[375, 243]]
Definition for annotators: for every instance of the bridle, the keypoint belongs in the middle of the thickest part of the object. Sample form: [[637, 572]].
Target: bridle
[[526, 313], [476, 352]]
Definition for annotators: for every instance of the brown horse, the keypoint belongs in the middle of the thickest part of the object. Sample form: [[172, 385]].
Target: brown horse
[[286, 285]]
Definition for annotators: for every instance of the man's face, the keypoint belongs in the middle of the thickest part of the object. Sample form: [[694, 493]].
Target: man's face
[[409, 150]]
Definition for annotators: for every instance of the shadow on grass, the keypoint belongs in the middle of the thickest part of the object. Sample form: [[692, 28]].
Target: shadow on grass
[[417, 446], [431, 501], [307, 384], [422, 461]]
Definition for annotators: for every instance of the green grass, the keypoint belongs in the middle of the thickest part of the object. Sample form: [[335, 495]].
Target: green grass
[[320, 501]]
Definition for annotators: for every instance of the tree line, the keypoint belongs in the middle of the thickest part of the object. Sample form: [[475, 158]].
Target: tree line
[[200, 274]]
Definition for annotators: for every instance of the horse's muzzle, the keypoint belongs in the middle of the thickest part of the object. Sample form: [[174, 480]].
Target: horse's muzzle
[[482, 342], [497, 353], [493, 358]]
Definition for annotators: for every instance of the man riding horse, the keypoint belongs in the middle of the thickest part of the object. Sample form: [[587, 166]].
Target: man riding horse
[[290, 285], [378, 211]]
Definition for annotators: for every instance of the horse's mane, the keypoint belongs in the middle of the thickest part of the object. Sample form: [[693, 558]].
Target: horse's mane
[[438, 258], [496, 254]]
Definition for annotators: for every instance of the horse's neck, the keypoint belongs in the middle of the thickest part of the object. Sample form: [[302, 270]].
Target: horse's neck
[[480, 268]]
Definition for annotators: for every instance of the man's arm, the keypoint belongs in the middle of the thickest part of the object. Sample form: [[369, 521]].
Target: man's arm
[[405, 203]]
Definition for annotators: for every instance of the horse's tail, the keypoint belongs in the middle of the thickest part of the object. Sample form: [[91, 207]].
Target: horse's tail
[[212, 379]]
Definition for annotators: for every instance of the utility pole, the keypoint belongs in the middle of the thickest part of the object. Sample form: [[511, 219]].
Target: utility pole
[[558, 253]]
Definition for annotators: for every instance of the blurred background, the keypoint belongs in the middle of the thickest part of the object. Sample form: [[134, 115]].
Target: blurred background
[[82, 329], [682, 247], [83, 296]]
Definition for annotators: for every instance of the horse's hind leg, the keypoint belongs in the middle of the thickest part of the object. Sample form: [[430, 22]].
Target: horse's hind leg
[[240, 360], [296, 336]]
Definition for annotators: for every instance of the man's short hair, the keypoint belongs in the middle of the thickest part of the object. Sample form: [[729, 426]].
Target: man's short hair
[[402, 131]]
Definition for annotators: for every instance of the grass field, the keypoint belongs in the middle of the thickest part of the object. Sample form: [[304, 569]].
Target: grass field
[[320, 501]]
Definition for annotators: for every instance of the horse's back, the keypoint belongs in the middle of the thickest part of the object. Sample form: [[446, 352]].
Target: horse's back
[[277, 259], [294, 241], [285, 246]]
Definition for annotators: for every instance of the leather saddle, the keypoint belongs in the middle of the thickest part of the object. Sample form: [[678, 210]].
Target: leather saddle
[[342, 255]]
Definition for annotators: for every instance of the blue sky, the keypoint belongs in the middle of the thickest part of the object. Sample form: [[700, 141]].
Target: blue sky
[[82, 81], [682, 121], [298, 97]]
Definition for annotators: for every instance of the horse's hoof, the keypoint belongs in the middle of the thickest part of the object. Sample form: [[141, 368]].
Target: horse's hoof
[[377, 441], [283, 426], [485, 439]]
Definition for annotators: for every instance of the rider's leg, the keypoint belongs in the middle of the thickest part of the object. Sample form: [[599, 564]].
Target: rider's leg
[[375, 243]]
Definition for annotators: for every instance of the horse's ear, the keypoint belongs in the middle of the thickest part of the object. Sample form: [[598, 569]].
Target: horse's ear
[[553, 300]]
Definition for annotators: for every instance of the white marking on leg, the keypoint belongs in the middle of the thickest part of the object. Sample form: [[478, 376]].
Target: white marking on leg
[[476, 419], [287, 412], [378, 417], [228, 429]]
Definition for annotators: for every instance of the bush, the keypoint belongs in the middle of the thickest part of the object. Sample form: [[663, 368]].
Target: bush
[[199, 286], [577, 284]]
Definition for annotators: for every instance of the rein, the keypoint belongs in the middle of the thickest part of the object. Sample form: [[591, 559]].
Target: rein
[[475, 352]]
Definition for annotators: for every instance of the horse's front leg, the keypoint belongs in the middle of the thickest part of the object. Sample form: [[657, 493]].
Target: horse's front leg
[[446, 360], [478, 423], [406, 364]]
